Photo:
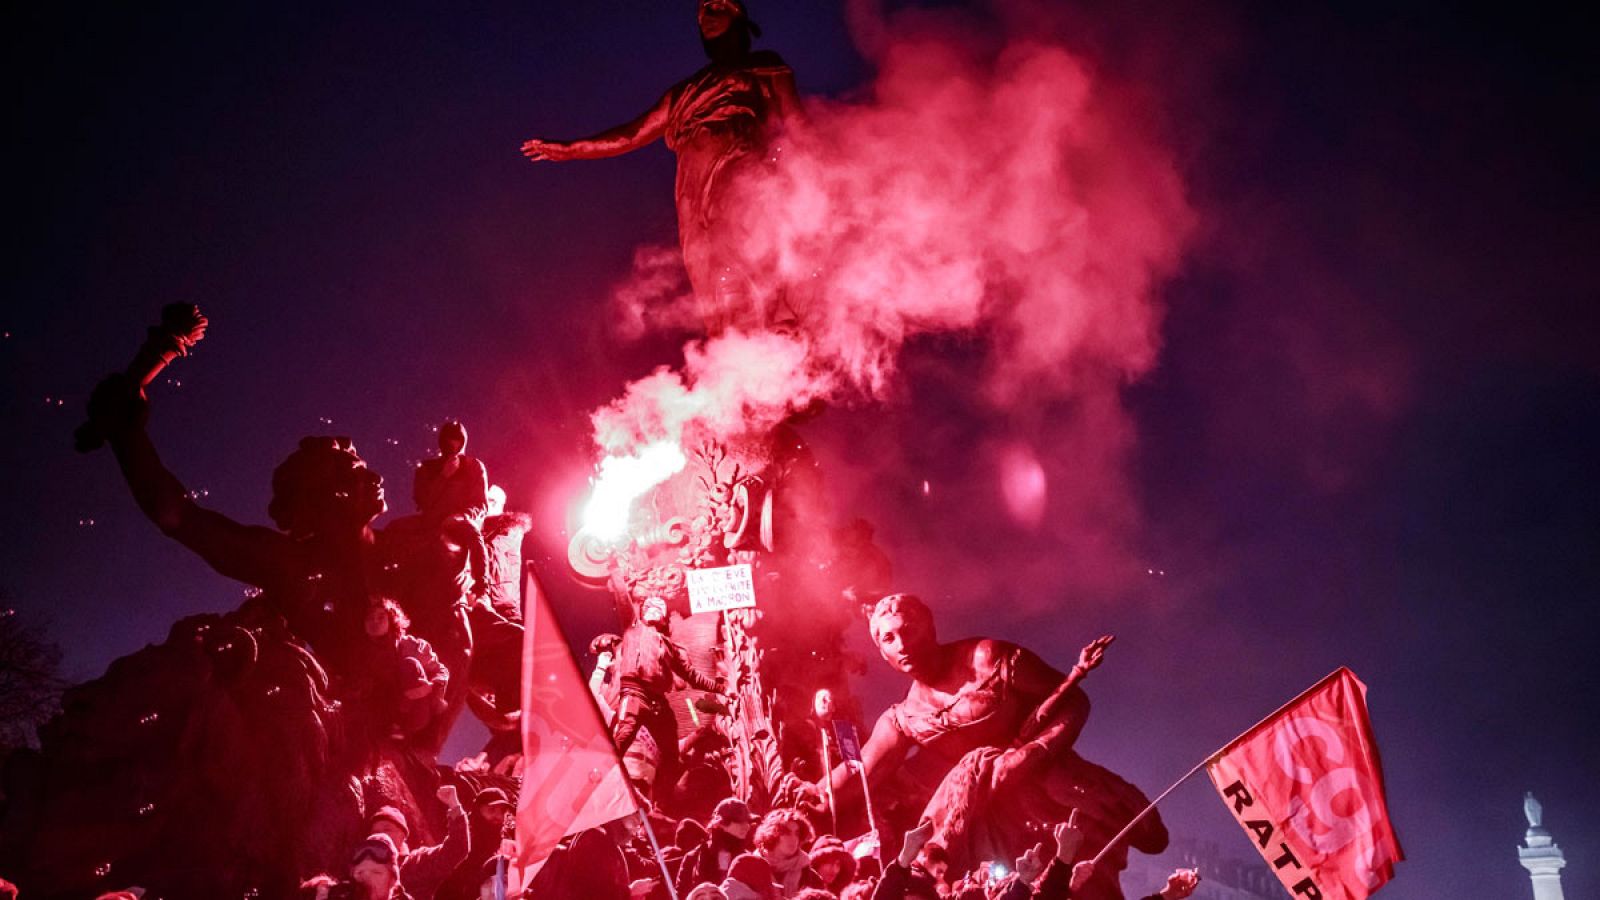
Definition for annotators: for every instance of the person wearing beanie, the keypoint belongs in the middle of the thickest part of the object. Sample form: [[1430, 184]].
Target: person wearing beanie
[[750, 878], [727, 837], [425, 869]]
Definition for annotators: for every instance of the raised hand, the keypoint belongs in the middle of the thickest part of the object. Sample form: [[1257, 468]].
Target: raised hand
[[915, 840], [1068, 838], [448, 796], [1180, 884], [1081, 873], [1092, 655], [537, 150]]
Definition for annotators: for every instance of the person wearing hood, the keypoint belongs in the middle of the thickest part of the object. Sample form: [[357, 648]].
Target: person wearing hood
[[779, 841], [833, 863], [750, 878]]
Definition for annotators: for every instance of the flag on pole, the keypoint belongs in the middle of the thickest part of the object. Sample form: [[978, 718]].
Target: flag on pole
[[1307, 787], [849, 741], [571, 778]]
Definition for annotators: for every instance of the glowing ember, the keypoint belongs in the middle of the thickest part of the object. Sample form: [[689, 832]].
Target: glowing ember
[[622, 480]]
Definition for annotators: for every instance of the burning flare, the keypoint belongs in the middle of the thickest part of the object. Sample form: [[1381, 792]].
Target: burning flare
[[622, 480]]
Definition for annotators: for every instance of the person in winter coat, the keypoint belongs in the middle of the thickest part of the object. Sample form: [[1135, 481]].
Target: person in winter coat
[[750, 878], [424, 869], [375, 869], [833, 863], [779, 841], [727, 837], [410, 679], [916, 874]]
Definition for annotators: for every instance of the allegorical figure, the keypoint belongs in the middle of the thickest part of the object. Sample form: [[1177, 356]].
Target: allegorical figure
[[316, 569], [994, 726], [722, 122]]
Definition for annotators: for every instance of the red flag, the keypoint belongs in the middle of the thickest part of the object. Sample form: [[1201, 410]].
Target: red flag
[[571, 779], [1307, 787]]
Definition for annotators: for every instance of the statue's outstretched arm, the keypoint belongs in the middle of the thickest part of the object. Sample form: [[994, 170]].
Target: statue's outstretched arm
[[885, 749], [1063, 706], [250, 554], [624, 138]]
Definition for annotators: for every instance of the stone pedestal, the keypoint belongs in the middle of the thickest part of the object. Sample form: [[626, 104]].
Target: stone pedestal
[[1540, 855]]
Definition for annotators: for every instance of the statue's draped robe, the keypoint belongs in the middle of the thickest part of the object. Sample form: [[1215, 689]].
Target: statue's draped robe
[[977, 821], [721, 124]]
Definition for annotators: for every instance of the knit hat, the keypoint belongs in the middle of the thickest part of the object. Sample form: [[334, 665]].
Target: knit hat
[[750, 870], [830, 849], [393, 814]]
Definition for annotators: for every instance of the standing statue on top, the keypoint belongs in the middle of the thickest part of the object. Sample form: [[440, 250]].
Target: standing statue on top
[[723, 123]]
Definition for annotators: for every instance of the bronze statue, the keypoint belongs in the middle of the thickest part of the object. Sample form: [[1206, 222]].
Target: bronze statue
[[314, 569], [721, 122], [243, 740], [993, 726]]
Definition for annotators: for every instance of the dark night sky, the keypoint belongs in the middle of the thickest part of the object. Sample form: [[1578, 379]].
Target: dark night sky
[[1370, 440]]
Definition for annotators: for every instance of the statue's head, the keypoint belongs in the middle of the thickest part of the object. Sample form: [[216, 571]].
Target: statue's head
[[902, 627], [324, 487], [726, 29], [452, 438]]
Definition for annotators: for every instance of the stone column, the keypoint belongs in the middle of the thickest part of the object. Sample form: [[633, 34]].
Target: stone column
[[1539, 854]]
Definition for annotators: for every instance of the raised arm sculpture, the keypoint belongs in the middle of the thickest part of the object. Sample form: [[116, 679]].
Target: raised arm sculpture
[[722, 123]]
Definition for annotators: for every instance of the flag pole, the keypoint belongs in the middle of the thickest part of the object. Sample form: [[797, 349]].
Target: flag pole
[[1208, 760], [666, 877], [1146, 811], [827, 780], [866, 795]]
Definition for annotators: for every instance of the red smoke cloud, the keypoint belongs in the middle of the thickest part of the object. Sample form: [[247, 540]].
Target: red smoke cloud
[[991, 189]]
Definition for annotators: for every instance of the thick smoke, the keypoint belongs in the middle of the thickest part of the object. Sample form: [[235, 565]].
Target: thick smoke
[[990, 189]]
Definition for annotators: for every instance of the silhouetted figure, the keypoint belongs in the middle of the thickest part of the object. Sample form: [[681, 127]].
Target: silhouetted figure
[[411, 682], [452, 493], [721, 122], [315, 569], [503, 535], [233, 741]]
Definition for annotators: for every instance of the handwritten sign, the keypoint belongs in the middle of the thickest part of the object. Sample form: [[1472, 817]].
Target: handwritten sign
[[728, 587]]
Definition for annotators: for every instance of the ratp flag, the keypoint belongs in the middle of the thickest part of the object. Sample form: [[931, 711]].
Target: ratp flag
[[571, 779], [1307, 787]]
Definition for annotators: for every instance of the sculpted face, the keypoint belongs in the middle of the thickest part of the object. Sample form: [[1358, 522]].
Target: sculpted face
[[716, 17], [367, 493], [905, 641], [325, 487]]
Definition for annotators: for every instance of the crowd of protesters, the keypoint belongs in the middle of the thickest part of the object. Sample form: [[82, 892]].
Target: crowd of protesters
[[736, 855]]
